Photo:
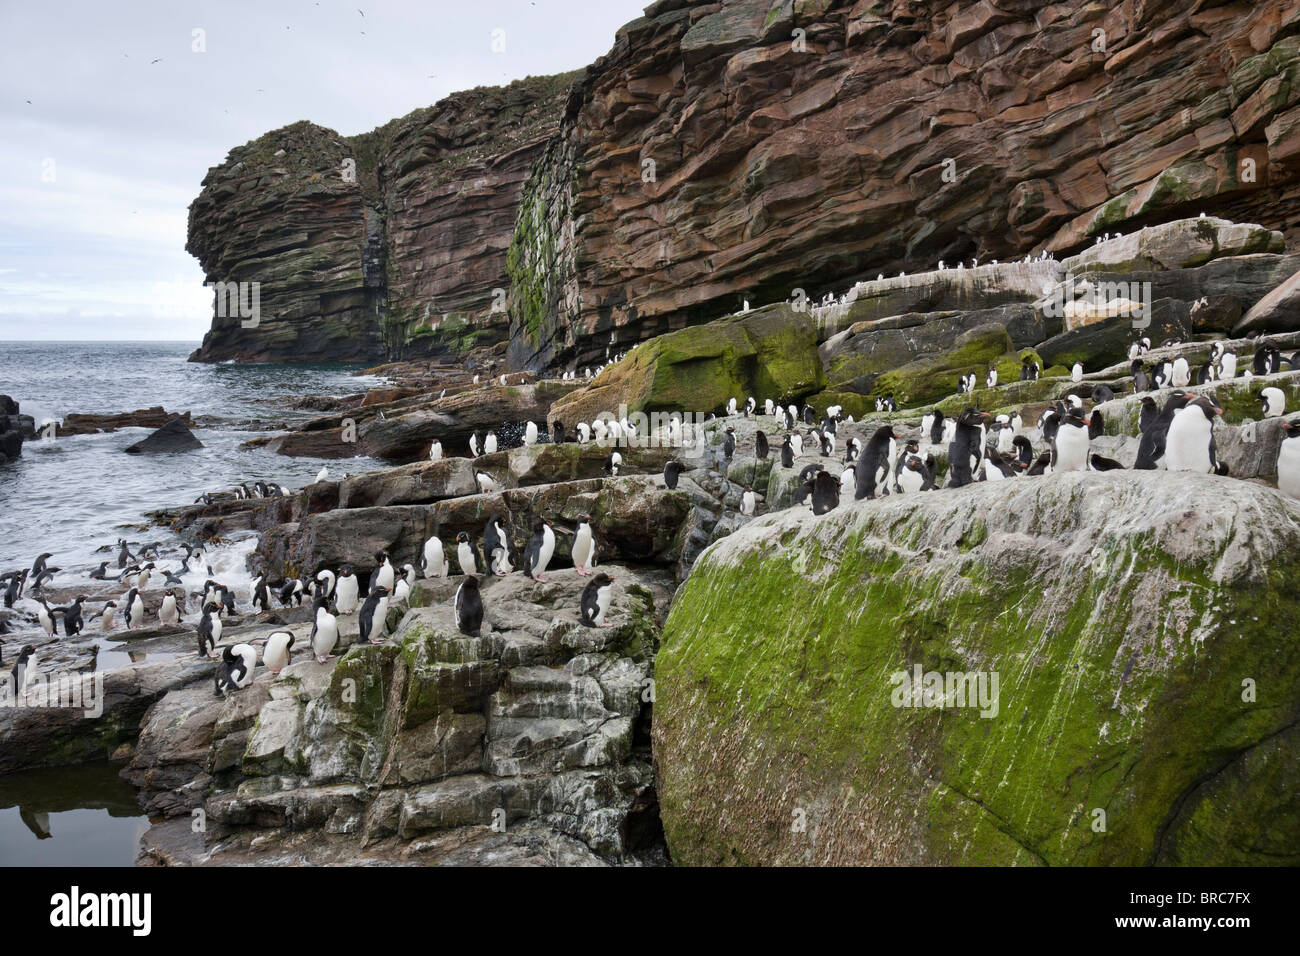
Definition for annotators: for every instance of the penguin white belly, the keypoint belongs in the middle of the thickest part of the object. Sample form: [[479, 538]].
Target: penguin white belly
[[167, 613], [402, 591], [1071, 449], [276, 653], [1288, 467], [547, 551], [582, 549], [747, 503], [433, 559], [1187, 447], [345, 596], [386, 577], [326, 636], [603, 597], [379, 623], [1182, 374], [910, 481], [466, 556], [992, 472]]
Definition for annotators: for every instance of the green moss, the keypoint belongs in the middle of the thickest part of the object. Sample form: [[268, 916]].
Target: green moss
[[930, 378], [768, 692]]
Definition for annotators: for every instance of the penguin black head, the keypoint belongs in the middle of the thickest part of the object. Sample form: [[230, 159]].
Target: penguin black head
[[345, 571], [381, 557], [379, 589], [470, 583], [1292, 429], [912, 446], [602, 579], [462, 537], [27, 651], [211, 607], [110, 604], [1207, 407]]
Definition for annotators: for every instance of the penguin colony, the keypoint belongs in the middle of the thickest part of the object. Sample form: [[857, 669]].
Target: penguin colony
[[1177, 435], [331, 596]]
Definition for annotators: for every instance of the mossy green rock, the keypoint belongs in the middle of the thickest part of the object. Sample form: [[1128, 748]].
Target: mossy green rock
[[933, 377], [1141, 627], [768, 353]]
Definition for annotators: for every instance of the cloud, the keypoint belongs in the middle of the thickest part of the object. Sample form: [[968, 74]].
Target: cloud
[[97, 173]]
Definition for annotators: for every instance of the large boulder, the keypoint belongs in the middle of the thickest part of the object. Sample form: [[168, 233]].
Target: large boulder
[[935, 376], [769, 352], [404, 429], [635, 518], [172, 437], [391, 748], [854, 357], [1140, 627], [1279, 311], [986, 288], [1176, 245], [89, 424], [1097, 339]]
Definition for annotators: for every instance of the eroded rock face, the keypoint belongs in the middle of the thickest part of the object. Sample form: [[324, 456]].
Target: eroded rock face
[[536, 730], [883, 138], [386, 244], [770, 351], [749, 149], [403, 430], [1126, 615]]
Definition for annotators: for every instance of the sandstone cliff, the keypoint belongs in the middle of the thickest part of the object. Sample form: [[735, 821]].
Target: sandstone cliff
[[386, 244], [748, 148], [744, 149]]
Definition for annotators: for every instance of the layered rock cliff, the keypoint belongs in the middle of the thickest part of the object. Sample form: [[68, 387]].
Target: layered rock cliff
[[746, 149], [386, 244], [749, 148]]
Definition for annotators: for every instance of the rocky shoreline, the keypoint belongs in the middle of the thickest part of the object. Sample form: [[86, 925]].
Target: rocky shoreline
[[745, 679]]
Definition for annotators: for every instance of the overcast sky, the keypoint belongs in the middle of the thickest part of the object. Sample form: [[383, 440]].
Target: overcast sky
[[102, 149]]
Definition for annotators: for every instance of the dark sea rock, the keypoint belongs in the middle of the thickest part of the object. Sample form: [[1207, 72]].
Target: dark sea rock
[[174, 436], [14, 427], [153, 417]]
